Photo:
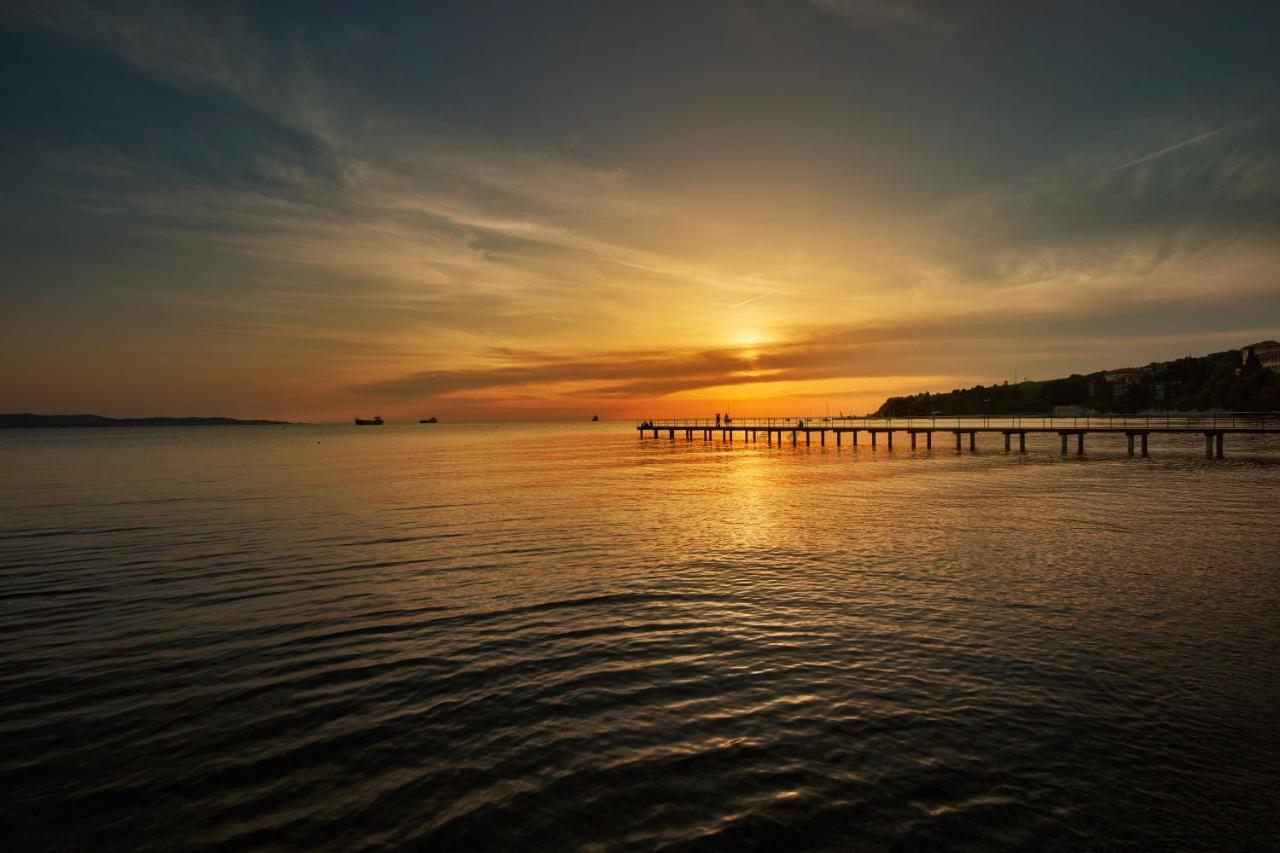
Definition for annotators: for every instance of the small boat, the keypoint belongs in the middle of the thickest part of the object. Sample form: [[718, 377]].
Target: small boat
[[430, 420], [376, 421], [595, 417]]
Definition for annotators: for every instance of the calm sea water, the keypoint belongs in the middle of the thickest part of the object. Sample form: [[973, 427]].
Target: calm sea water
[[561, 637]]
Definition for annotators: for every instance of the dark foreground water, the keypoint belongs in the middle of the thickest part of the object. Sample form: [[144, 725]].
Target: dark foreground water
[[563, 638]]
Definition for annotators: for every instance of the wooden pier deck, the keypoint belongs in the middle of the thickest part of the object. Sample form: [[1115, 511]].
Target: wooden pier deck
[[1138, 428]]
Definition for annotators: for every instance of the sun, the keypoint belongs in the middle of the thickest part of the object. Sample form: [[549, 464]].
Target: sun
[[748, 342]]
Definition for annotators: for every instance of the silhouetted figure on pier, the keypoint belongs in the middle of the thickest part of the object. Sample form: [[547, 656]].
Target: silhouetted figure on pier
[[717, 419]]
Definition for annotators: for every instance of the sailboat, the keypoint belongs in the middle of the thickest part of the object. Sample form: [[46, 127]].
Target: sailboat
[[595, 417]]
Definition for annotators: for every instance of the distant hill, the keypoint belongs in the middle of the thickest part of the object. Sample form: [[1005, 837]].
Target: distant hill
[[1222, 380], [27, 421]]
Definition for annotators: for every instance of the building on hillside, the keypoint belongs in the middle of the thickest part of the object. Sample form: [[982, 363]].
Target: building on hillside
[[1122, 380], [1268, 353]]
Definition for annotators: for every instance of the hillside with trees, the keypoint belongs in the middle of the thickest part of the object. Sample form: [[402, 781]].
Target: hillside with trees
[[1221, 381]]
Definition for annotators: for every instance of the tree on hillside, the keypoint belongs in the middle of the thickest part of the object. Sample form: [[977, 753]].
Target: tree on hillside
[[1215, 381]]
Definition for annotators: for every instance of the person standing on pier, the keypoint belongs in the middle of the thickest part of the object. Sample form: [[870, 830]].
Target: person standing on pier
[[717, 419]]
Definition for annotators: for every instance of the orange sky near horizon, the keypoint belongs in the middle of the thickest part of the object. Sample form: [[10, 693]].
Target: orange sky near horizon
[[770, 209]]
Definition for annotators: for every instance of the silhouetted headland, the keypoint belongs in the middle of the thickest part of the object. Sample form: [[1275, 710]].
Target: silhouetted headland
[[1243, 380], [29, 421]]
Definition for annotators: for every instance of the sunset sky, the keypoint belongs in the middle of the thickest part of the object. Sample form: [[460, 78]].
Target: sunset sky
[[538, 210]]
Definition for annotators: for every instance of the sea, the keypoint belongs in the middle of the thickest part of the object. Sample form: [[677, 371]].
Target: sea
[[566, 637]]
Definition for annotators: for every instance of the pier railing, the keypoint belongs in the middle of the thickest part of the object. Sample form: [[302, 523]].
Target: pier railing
[[1145, 420]]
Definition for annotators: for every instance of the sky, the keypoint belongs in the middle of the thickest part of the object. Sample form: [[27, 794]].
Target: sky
[[474, 210]]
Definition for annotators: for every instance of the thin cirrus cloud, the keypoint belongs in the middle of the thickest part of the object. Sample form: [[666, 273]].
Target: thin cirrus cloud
[[1201, 137], [413, 205], [877, 15]]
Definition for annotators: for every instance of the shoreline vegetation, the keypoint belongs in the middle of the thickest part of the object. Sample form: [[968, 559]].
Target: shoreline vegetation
[[29, 421], [1222, 381]]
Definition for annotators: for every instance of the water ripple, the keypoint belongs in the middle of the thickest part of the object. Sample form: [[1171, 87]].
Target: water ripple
[[565, 639]]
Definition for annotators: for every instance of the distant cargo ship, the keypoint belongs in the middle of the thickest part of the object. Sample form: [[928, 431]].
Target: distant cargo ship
[[428, 421], [377, 421]]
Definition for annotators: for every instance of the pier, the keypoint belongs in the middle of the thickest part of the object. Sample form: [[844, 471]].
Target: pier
[[1138, 429]]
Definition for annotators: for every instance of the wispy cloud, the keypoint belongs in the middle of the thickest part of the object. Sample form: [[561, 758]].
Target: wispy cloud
[[741, 304], [878, 15], [220, 172], [1163, 151]]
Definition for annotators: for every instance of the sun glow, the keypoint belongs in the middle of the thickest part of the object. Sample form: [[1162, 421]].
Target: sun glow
[[748, 342]]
